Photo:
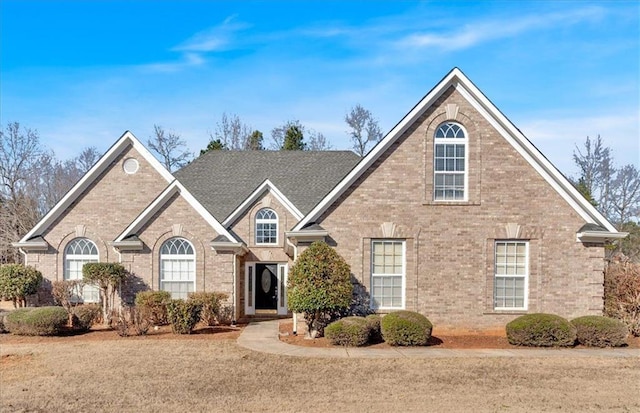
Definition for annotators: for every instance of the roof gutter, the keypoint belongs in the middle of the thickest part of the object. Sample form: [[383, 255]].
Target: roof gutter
[[600, 237]]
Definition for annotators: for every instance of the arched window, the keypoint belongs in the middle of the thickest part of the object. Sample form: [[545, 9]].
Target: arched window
[[266, 227], [78, 252], [450, 163], [177, 267]]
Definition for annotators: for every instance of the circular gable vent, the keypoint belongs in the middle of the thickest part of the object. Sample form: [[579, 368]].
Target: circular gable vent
[[130, 165]]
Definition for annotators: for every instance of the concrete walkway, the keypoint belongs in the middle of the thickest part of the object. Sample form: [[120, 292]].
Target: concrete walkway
[[262, 336]]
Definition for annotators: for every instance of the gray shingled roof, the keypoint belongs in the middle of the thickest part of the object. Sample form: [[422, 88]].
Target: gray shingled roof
[[222, 180]]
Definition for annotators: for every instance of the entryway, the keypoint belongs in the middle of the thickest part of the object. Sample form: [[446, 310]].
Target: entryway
[[265, 288]]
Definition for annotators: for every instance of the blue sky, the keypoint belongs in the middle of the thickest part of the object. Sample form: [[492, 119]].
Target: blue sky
[[83, 72]]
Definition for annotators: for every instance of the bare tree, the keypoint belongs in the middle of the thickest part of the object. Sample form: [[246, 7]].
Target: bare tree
[[596, 172], [170, 148], [365, 131], [625, 189], [87, 158], [232, 133], [318, 142], [19, 151]]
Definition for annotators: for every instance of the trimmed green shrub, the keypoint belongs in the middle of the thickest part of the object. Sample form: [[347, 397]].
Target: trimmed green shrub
[[211, 306], [17, 281], [349, 331], [406, 328], [319, 286], [599, 331], [541, 330], [154, 305], [373, 321], [183, 315], [107, 276], [84, 316], [39, 321]]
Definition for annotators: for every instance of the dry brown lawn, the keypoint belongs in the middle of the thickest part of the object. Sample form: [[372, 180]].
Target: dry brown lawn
[[202, 373]]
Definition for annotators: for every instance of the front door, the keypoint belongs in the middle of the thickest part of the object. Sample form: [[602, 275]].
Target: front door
[[265, 287]]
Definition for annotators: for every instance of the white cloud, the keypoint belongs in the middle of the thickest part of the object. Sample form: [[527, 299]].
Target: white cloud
[[216, 38], [483, 31]]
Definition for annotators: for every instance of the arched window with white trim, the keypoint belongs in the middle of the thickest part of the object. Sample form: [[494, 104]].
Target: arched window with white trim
[[266, 227], [78, 252], [177, 267], [450, 163]]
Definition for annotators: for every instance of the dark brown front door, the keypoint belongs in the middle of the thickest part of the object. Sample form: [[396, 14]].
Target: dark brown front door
[[266, 286]]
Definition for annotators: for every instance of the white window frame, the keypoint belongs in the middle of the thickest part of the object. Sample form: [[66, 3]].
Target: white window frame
[[452, 141], [524, 276], [266, 221], [178, 258], [402, 275], [250, 287], [89, 293]]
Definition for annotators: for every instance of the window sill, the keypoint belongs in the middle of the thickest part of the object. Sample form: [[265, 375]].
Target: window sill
[[505, 312], [451, 203]]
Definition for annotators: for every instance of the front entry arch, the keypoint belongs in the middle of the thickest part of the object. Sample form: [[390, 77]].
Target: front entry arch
[[265, 287]]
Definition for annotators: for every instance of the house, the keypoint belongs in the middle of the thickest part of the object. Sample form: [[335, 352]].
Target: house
[[454, 214]]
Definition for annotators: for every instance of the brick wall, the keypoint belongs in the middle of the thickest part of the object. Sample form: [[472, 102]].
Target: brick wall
[[449, 246]]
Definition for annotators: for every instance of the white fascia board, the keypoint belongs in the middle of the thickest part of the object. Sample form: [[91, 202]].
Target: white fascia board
[[31, 245], [251, 199], [103, 163], [531, 154], [600, 236], [161, 200], [380, 148]]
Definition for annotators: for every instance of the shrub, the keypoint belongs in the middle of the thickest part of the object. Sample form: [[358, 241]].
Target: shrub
[[183, 315], [349, 331], [622, 293], [319, 285], [154, 304], [17, 281], [211, 305], [406, 328], [598, 331], [133, 321], [541, 330], [40, 321], [84, 316], [373, 321]]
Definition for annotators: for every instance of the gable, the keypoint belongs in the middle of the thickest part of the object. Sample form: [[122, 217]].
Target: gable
[[457, 81], [108, 196]]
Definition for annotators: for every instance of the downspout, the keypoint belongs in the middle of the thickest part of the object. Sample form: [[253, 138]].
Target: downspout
[[295, 315], [233, 296]]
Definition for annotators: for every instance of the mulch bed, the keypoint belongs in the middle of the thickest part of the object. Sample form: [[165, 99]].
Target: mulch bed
[[447, 341]]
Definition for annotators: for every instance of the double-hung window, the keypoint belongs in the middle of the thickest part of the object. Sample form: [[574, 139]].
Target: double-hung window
[[387, 274], [450, 163], [77, 253], [266, 227], [177, 268], [511, 275]]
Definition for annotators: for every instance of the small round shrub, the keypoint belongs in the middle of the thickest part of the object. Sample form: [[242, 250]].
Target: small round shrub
[[348, 331], [541, 330], [154, 304], [599, 331], [84, 316], [40, 321], [183, 315], [373, 320], [406, 328]]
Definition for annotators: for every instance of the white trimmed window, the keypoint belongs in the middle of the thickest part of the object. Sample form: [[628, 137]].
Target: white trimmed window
[[177, 267], [450, 163], [387, 274], [266, 227], [77, 253], [511, 275]]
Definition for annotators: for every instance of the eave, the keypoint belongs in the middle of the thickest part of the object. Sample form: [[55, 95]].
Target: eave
[[228, 246], [600, 237]]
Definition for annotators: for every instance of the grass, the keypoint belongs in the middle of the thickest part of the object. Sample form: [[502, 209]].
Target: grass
[[201, 374]]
